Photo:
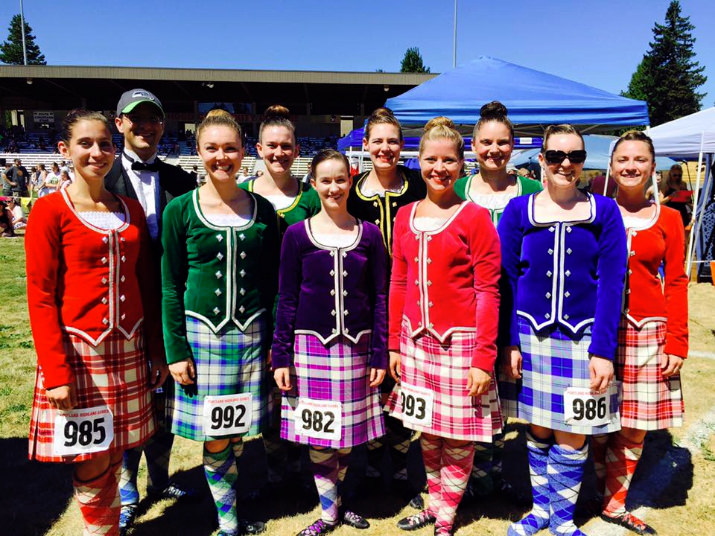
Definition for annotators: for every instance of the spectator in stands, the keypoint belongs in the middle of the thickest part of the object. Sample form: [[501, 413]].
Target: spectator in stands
[[376, 196], [4, 179], [141, 175], [19, 221], [52, 181], [65, 179], [6, 229], [19, 177], [677, 194], [243, 176]]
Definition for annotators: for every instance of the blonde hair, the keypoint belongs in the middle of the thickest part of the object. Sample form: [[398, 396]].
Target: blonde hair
[[218, 117], [276, 115], [553, 130], [382, 116], [442, 128]]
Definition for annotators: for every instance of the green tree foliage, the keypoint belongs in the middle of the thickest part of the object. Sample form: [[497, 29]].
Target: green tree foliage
[[412, 62], [11, 49], [668, 77]]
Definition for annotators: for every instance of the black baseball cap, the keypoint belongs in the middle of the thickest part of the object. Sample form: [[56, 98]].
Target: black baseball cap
[[132, 98]]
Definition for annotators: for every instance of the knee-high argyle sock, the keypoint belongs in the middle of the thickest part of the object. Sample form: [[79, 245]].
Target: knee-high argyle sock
[[221, 474], [454, 475], [128, 480], [538, 518], [326, 469], [432, 458], [99, 503], [622, 457], [565, 472]]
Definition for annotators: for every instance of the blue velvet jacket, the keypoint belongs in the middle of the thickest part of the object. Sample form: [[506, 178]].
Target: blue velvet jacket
[[565, 273]]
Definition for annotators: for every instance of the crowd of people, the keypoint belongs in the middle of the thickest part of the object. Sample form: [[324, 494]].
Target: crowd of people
[[369, 309]]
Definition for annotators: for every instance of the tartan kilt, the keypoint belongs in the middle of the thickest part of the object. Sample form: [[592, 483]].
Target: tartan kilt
[[336, 372], [650, 402], [114, 374], [443, 369], [228, 362], [552, 361]]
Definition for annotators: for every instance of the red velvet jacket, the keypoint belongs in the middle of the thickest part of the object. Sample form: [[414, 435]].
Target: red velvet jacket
[[86, 281], [446, 281], [646, 296]]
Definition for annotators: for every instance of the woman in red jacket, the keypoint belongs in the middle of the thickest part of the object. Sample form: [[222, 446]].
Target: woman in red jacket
[[653, 335], [443, 316], [90, 306]]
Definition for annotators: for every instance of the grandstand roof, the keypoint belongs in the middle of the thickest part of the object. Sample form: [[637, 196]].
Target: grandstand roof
[[328, 92]]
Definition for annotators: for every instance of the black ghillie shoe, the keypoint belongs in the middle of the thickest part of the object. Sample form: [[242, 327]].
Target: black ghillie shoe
[[416, 521], [629, 521]]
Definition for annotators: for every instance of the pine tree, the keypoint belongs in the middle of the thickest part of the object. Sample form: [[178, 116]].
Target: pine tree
[[412, 62], [11, 49], [668, 77]]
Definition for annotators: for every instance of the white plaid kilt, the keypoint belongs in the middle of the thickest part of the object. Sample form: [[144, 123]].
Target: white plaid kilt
[[337, 372], [650, 402], [114, 374], [227, 363], [552, 361], [443, 369]]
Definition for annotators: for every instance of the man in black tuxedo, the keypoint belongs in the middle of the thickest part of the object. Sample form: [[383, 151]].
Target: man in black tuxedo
[[141, 175]]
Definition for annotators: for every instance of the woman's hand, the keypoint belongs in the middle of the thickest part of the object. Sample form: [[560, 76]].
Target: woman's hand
[[478, 381], [62, 397], [670, 365], [512, 362], [376, 376], [601, 372], [183, 372], [282, 377], [395, 365], [158, 371]]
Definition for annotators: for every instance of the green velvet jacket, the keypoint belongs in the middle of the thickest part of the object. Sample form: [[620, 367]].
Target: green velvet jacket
[[219, 275]]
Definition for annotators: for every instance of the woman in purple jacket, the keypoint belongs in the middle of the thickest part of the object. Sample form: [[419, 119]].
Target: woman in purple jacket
[[329, 348]]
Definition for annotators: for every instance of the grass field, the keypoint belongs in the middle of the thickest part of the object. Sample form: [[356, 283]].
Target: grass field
[[673, 483]]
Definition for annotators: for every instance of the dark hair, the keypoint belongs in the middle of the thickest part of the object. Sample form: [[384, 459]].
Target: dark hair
[[276, 115], [74, 117], [493, 111], [382, 116], [328, 154], [552, 130], [218, 117], [442, 128], [635, 135]]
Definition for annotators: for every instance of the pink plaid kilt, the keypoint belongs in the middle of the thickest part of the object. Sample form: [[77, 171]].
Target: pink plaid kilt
[[650, 402], [113, 374], [443, 369]]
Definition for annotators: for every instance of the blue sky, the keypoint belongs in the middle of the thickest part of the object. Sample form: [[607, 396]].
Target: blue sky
[[598, 43]]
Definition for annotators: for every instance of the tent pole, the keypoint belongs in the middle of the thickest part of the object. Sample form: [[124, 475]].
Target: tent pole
[[693, 226], [699, 220]]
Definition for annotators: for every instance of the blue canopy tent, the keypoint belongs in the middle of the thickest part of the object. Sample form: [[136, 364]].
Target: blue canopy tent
[[532, 98], [598, 148]]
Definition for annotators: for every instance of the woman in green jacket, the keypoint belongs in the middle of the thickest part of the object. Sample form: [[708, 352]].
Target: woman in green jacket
[[219, 282]]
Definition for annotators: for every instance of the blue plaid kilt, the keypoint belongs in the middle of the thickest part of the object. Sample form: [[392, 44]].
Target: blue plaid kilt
[[552, 361], [337, 372], [228, 362]]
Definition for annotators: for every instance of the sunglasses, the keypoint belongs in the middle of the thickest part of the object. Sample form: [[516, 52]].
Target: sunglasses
[[556, 157]]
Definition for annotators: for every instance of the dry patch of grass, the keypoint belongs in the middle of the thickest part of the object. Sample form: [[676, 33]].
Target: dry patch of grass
[[37, 497]]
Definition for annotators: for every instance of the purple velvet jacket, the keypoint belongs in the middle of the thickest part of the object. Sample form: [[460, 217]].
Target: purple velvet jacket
[[331, 292]]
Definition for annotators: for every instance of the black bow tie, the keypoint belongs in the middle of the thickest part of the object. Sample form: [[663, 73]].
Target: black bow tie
[[141, 166]]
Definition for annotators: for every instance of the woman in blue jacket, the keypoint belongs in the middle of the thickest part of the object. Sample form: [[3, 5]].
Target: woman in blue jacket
[[564, 255]]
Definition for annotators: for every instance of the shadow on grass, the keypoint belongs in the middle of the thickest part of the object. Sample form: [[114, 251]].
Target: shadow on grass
[[34, 494]]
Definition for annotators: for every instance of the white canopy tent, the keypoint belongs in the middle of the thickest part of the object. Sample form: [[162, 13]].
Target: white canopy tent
[[692, 136]]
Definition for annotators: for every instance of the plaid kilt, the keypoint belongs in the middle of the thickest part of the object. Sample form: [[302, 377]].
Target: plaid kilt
[[337, 372], [650, 402], [114, 374], [229, 362], [552, 361], [443, 369]]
